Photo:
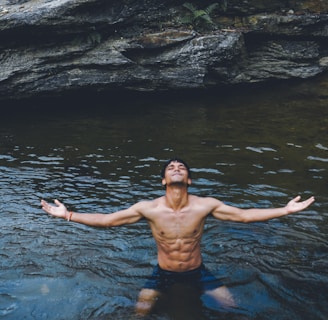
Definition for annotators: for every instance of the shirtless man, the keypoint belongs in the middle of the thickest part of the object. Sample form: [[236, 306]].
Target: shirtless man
[[177, 223]]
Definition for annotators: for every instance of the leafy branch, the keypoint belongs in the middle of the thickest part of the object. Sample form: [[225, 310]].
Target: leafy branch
[[200, 18]]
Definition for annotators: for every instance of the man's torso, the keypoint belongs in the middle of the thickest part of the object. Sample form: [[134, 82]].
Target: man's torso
[[178, 234]]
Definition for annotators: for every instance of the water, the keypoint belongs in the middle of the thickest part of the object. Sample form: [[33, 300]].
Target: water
[[257, 147]]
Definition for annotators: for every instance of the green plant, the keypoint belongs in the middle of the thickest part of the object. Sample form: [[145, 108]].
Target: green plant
[[199, 18]]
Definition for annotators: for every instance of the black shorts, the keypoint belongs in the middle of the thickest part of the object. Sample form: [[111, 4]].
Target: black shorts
[[200, 278]]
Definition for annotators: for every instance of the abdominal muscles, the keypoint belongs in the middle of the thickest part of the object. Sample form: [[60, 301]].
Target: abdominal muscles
[[178, 239], [179, 254]]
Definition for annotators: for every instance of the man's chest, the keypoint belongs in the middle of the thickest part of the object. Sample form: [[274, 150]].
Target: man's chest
[[172, 225]]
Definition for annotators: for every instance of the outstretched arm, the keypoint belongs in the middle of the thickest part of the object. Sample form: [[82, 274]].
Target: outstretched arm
[[130, 215], [225, 212]]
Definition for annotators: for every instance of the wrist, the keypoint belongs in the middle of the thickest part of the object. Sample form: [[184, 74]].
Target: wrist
[[286, 211], [68, 215]]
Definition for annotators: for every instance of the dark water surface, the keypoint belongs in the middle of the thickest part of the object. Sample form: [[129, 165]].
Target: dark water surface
[[249, 148]]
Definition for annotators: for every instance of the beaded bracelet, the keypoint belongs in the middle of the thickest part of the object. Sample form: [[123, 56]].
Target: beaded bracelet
[[69, 215]]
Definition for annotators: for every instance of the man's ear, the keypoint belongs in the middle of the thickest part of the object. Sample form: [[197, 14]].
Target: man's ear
[[189, 182], [163, 182]]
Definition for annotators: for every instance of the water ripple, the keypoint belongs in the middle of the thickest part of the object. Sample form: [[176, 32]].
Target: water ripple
[[275, 269]]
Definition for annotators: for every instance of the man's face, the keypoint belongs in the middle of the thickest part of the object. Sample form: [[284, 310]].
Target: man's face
[[176, 173]]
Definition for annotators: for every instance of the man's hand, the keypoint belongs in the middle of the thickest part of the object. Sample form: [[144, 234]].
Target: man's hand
[[59, 210], [295, 206]]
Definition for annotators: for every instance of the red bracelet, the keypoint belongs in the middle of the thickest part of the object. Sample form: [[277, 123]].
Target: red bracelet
[[70, 213]]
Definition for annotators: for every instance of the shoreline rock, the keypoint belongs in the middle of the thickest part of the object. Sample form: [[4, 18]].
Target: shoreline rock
[[53, 47]]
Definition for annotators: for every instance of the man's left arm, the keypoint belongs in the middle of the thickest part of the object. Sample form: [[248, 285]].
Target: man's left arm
[[226, 212]]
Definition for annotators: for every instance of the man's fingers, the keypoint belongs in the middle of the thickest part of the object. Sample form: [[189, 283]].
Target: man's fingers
[[298, 198], [43, 203], [310, 200], [58, 203]]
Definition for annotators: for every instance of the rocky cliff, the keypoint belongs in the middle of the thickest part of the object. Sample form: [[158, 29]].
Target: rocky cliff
[[48, 47]]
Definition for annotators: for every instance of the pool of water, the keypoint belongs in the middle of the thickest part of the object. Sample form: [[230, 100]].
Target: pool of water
[[250, 148]]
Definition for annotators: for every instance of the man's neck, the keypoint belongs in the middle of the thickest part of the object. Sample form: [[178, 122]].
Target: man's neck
[[176, 197]]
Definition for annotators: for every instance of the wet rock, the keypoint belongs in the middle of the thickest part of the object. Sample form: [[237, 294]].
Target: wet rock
[[51, 47]]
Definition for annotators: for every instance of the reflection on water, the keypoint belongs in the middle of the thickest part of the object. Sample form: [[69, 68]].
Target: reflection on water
[[256, 148]]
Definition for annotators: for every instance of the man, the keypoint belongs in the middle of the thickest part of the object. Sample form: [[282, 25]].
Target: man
[[177, 223]]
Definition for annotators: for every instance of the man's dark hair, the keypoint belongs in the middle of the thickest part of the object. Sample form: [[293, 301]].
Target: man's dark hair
[[175, 160]]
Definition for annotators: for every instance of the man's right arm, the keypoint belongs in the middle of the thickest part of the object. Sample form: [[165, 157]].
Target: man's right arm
[[127, 216]]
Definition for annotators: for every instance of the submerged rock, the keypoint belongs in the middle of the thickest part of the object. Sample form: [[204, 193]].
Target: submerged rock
[[51, 47]]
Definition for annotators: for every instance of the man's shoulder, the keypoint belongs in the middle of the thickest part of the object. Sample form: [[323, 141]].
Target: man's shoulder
[[149, 208], [202, 199], [205, 204], [150, 203]]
